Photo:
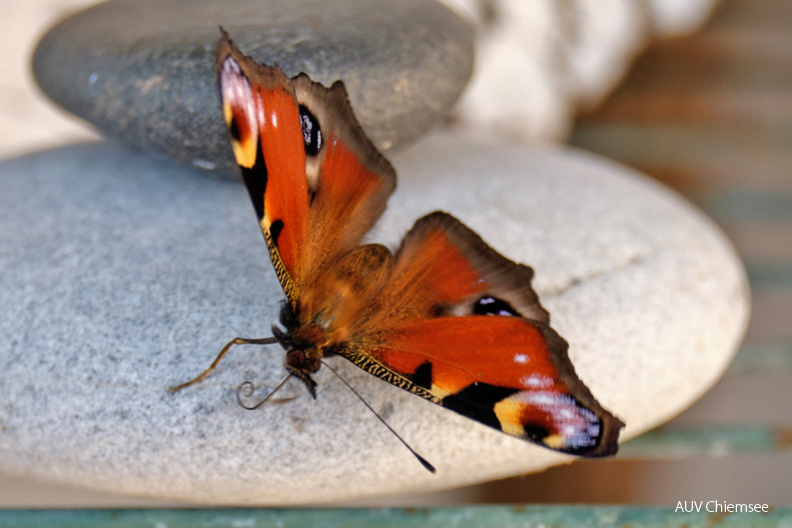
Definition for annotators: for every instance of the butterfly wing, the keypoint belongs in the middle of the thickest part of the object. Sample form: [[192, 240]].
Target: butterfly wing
[[316, 182], [464, 329]]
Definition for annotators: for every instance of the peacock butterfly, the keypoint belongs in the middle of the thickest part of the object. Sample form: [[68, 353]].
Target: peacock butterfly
[[445, 317]]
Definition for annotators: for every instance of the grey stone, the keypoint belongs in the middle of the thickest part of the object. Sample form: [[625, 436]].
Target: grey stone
[[123, 276], [143, 70]]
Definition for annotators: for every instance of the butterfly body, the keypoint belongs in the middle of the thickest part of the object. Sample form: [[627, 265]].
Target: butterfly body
[[444, 316]]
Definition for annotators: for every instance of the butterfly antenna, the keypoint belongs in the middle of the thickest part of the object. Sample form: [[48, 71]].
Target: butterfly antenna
[[246, 389], [235, 341], [425, 463]]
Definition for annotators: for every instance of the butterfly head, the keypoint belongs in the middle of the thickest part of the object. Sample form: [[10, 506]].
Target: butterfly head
[[301, 364], [303, 353]]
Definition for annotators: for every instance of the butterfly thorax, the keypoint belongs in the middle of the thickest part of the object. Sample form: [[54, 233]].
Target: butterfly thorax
[[340, 297], [332, 307]]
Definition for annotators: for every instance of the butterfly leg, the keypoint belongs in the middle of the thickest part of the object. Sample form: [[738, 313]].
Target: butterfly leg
[[235, 341]]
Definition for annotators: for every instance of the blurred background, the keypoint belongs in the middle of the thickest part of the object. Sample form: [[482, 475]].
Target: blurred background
[[709, 115]]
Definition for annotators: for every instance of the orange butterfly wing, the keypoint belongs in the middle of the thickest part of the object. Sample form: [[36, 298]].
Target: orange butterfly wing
[[316, 182], [469, 334]]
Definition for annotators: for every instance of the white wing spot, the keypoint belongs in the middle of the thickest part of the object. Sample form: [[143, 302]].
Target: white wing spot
[[544, 399], [536, 382], [520, 358], [256, 108]]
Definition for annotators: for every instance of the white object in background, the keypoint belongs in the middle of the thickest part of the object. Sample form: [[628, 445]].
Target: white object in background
[[519, 86], [538, 61], [678, 17], [27, 121], [600, 39]]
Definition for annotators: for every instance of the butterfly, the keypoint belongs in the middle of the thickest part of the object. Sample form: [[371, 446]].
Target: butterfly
[[444, 317]]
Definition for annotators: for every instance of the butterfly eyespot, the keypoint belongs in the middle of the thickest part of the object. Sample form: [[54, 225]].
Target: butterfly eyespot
[[493, 306], [312, 134], [233, 130], [535, 433]]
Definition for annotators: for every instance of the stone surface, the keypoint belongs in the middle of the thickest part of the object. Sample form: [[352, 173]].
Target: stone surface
[[123, 276], [143, 70]]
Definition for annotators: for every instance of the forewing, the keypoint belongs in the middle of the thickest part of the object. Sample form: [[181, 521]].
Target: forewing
[[316, 182], [262, 116], [461, 326], [349, 180]]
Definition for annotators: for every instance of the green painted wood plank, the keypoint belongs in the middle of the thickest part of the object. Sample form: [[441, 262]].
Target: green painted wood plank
[[774, 277], [684, 442], [755, 357], [747, 206], [689, 145], [456, 517]]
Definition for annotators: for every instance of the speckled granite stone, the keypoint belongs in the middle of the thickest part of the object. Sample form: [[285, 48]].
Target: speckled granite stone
[[123, 276]]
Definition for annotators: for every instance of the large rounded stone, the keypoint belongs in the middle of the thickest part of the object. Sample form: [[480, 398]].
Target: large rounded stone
[[124, 276], [143, 71]]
